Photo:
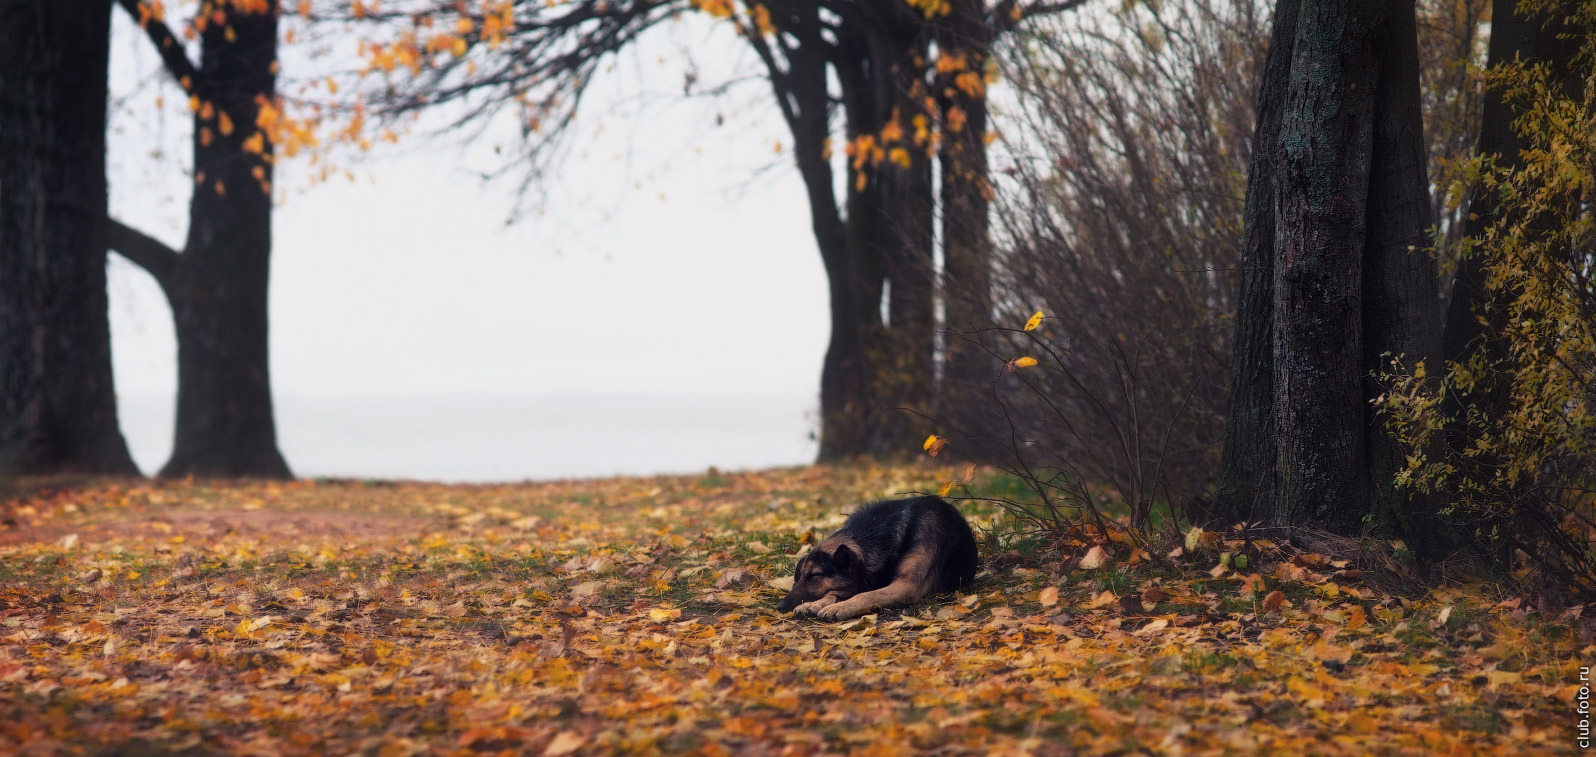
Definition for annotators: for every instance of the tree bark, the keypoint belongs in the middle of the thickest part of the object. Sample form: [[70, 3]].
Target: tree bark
[[966, 223], [57, 398], [218, 285], [1247, 473], [1401, 297], [1320, 210], [1335, 278], [888, 237]]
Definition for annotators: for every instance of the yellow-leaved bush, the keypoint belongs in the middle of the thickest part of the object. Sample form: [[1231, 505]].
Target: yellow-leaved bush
[[1505, 439]]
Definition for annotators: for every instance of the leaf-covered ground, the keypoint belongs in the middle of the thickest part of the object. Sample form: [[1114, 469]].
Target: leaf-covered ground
[[635, 615]]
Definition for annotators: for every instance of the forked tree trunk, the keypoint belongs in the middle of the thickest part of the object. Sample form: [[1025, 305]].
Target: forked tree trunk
[[57, 399], [218, 285], [1349, 285]]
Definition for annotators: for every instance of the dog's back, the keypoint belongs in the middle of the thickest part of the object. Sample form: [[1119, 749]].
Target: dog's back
[[887, 531]]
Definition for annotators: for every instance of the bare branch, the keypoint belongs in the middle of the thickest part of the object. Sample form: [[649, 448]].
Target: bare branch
[[146, 251], [167, 45]]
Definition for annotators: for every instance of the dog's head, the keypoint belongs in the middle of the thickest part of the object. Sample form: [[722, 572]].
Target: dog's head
[[835, 570]]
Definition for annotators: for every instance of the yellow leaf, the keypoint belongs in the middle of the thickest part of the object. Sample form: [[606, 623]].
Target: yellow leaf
[[224, 123], [660, 613], [1019, 362], [1049, 596], [1103, 599], [1357, 617], [934, 444], [1036, 320]]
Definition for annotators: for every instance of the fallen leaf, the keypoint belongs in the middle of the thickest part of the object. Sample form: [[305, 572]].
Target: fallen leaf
[[1273, 601], [1094, 558], [1049, 596], [564, 742]]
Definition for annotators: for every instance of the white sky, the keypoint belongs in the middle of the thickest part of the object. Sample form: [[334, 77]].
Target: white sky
[[662, 267]]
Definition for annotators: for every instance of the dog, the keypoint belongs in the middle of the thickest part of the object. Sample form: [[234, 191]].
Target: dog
[[887, 554]]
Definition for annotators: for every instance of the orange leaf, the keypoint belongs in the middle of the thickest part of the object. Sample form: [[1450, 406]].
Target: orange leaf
[[1273, 601]]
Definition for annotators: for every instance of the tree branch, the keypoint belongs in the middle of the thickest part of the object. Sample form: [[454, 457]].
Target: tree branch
[[1002, 17], [148, 252], [167, 45]]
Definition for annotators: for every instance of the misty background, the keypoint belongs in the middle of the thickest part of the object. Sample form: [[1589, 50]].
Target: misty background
[[646, 319]]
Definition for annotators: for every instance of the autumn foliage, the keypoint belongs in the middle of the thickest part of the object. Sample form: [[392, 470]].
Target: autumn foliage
[[636, 616], [1506, 436]]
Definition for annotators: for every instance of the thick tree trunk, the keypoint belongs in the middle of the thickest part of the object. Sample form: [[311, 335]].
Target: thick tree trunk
[[1401, 298], [804, 103], [225, 425], [218, 285], [888, 236], [57, 400], [966, 235], [1345, 285], [1322, 186], [1247, 467]]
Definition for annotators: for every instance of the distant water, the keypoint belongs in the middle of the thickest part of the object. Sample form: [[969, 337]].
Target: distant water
[[470, 439]]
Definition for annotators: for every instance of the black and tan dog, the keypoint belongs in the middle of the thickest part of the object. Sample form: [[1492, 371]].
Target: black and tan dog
[[887, 554]]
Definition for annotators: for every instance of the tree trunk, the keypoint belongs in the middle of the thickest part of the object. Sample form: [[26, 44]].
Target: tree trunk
[[888, 237], [1339, 151], [1247, 475], [901, 235], [966, 237], [1513, 36], [802, 97], [218, 285], [1401, 297], [224, 402], [1322, 184], [57, 399]]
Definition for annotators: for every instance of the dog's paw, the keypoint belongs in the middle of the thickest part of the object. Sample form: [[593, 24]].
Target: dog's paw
[[811, 608], [843, 611]]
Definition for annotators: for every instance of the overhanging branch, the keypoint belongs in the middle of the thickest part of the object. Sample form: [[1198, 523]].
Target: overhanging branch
[[167, 45], [148, 252]]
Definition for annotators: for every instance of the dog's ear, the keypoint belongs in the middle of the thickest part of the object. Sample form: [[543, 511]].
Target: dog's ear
[[819, 559], [844, 558]]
